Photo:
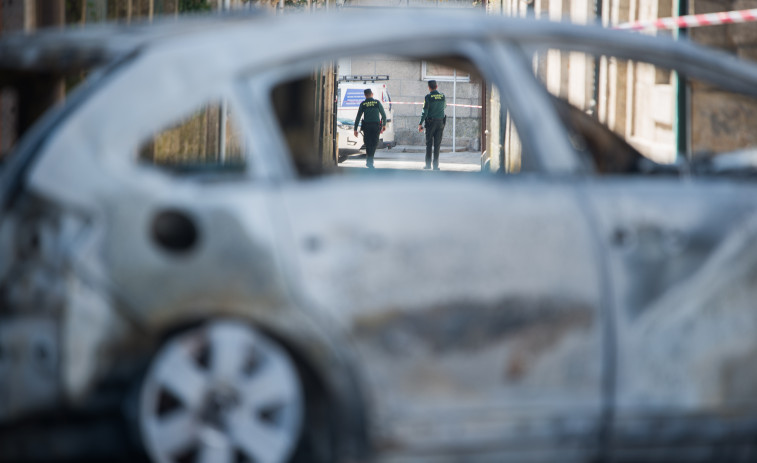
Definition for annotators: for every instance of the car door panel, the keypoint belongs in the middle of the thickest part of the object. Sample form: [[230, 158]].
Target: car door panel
[[473, 304], [682, 263]]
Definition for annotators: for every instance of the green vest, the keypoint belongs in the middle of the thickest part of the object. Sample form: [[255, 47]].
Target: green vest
[[373, 111], [433, 106]]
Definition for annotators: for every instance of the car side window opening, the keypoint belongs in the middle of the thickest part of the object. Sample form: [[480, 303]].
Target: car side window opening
[[624, 115], [207, 140], [316, 113]]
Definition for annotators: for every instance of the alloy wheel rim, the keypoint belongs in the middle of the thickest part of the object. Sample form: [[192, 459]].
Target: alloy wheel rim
[[221, 393]]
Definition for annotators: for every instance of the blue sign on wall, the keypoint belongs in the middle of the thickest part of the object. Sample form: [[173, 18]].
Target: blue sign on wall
[[352, 98]]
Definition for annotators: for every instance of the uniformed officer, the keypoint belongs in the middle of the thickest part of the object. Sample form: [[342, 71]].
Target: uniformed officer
[[374, 123], [433, 115]]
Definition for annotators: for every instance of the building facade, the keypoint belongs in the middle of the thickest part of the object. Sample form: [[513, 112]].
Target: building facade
[[408, 85], [660, 114]]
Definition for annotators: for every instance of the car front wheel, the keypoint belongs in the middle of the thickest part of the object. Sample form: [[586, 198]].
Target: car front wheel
[[222, 392]]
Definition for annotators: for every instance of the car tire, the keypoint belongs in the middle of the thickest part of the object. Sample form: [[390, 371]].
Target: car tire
[[222, 391]]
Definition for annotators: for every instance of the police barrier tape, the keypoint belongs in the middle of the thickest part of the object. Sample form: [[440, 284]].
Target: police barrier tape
[[693, 20], [451, 104]]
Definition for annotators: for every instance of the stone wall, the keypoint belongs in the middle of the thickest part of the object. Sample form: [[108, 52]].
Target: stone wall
[[406, 84], [635, 100], [721, 121]]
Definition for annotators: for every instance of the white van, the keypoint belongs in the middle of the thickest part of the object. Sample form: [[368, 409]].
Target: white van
[[350, 94]]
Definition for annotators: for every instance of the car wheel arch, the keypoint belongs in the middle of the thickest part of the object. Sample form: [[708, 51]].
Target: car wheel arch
[[335, 424]]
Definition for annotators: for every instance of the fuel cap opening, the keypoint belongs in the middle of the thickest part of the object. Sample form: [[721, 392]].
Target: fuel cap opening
[[175, 231]]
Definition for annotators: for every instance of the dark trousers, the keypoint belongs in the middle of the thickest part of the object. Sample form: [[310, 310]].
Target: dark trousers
[[371, 132], [434, 131]]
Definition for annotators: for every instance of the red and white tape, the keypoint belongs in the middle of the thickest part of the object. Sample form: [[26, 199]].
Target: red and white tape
[[693, 20], [420, 103]]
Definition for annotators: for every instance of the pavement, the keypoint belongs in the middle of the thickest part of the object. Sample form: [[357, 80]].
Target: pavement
[[413, 158]]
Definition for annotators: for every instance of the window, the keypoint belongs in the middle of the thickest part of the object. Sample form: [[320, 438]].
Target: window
[[206, 140], [440, 72], [626, 113], [317, 120]]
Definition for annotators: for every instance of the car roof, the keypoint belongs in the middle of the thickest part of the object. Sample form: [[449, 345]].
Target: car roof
[[71, 49], [79, 48], [297, 36]]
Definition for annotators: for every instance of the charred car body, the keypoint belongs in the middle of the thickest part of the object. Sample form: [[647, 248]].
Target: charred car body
[[234, 317]]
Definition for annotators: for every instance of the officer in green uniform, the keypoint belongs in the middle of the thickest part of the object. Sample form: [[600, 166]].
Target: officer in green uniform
[[374, 123], [433, 115]]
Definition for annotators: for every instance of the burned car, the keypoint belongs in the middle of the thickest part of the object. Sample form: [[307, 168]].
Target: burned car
[[246, 309]]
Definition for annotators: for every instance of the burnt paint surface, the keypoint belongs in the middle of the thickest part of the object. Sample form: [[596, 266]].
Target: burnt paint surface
[[471, 326], [683, 260], [473, 307]]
